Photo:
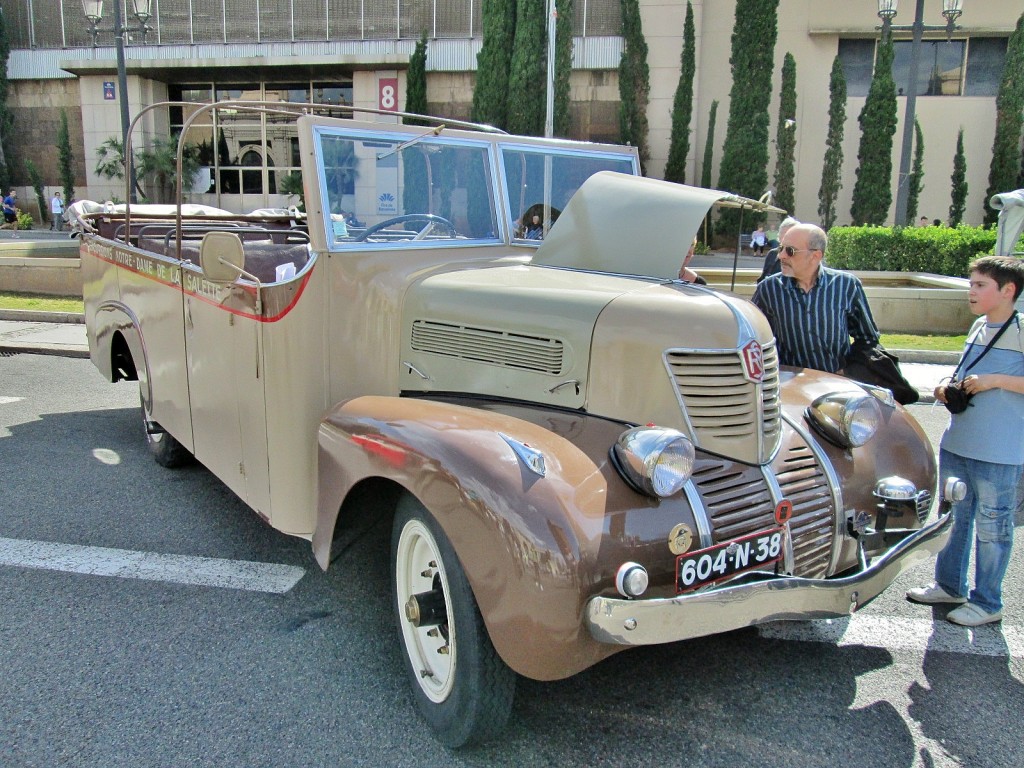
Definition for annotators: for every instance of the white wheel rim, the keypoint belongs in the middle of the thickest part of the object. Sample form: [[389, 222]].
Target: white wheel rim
[[417, 561]]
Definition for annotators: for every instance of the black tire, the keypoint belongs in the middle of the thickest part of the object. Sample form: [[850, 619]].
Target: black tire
[[166, 451], [465, 692]]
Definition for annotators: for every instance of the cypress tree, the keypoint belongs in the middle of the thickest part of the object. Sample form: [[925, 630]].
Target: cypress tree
[[709, 146], [416, 83], [682, 108], [872, 192], [6, 120], [490, 92], [832, 167], [527, 71], [1002, 173], [744, 168], [66, 158], [916, 181], [563, 68], [1020, 176], [785, 139], [634, 83], [959, 180]]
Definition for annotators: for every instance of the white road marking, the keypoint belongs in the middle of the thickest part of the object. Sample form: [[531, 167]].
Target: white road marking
[[127, 564], [907, 634], [6, 400]]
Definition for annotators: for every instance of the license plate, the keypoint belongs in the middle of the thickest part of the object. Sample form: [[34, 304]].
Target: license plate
[[706, 566]]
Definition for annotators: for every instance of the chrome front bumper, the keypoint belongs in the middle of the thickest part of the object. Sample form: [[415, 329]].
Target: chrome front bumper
[[699, 614]]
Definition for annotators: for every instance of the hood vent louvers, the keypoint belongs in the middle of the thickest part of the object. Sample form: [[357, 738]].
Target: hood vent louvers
[[486, 345]]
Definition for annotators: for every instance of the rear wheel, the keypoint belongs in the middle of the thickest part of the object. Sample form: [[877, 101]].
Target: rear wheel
[[460, 685], [167, 451]]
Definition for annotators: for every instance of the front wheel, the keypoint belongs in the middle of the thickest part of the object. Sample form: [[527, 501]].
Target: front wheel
[[460, 685]]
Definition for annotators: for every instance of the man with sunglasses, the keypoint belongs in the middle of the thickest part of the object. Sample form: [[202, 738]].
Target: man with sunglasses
[[814, 310]]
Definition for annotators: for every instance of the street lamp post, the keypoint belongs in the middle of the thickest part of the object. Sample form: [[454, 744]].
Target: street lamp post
[[93, 11], [951, 10]]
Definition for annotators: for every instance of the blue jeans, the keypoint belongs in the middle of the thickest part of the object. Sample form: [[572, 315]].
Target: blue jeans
[[989, 507]]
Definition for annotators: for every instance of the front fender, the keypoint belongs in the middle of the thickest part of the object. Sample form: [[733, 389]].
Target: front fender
[[534, 548], [113, 318]]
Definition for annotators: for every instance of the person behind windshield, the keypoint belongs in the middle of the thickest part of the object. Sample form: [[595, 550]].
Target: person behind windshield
[[535, 228]]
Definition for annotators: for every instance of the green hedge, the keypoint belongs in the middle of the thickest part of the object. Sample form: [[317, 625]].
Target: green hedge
[[938, 250]]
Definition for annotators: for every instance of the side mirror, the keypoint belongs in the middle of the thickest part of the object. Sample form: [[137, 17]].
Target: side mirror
[[221, 257]]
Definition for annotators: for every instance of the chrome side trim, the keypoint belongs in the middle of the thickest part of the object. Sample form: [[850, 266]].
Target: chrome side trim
[[834, 486], [700, 514], [531, 458], [700, 614]]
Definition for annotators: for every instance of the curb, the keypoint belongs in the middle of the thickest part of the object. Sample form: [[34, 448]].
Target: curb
[[59, 350], [34, 316], [930, 356]]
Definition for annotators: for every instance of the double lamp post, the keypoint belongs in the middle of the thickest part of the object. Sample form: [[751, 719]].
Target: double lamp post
[[142, 10], [951, 10]]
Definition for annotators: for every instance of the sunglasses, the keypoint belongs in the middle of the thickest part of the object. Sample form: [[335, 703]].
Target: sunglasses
[[790, 251]]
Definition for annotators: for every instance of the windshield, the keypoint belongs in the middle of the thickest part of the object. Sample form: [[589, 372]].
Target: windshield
[[407, 188], [533, 175]]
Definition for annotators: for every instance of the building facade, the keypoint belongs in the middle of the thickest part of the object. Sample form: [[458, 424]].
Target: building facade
[[356, 52]]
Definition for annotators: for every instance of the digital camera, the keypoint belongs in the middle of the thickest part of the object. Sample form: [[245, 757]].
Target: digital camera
[[956, 399]]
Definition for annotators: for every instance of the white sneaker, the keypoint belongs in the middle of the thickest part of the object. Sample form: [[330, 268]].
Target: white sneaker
[[971, 615], [932, 594]]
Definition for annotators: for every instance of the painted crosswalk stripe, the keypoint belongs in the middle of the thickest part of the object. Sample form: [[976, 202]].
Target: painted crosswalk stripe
[[128, 564], [898, 633]]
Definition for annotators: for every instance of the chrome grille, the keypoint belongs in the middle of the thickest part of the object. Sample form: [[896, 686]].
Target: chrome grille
[[729, 414], [924, 505], [511, 350], [803, 482], [738, 500]]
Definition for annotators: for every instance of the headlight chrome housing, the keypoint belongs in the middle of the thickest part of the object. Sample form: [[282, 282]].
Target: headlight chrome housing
[[848, 419], [656, 461]]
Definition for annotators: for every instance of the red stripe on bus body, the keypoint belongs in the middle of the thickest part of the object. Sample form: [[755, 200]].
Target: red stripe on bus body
[[178, 286]]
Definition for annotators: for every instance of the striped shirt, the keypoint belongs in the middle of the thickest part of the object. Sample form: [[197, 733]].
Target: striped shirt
[[813, 329]]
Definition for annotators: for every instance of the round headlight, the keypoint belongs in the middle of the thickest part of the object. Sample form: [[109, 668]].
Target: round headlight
[[654, 460], [631, 580], [849, 419]]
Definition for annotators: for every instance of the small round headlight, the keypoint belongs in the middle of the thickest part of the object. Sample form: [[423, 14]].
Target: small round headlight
[[849, 419], [654, 460], [631, 580]]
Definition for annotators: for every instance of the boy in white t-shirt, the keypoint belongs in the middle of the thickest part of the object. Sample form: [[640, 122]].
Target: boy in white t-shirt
[[983, 446]]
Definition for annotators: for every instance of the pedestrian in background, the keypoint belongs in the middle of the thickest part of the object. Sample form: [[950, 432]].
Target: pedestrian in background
[[10, 208], [687, 274], [814, 310], [983, 446], [759, 240], [57, 212], [771, 261]]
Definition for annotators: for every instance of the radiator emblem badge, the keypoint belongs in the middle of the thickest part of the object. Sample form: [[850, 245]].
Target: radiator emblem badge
[[753, 361]]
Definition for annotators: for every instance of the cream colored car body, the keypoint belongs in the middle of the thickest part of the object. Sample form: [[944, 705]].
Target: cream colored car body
[[424, 363]]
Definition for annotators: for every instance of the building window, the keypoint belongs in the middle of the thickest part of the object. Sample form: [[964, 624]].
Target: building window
[[858, 58], [986, 57], [247, 153], [940, 67], [972, 67]]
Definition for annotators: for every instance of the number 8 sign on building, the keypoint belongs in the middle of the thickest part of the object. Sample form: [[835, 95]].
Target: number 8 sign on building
[[387, 94]]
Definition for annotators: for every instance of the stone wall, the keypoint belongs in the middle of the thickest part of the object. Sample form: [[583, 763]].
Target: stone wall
[[35, 107]]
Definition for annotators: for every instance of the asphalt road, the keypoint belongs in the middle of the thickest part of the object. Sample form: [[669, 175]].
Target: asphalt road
[[105, 671]]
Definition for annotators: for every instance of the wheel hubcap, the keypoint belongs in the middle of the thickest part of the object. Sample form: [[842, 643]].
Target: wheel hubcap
[[422, 588]]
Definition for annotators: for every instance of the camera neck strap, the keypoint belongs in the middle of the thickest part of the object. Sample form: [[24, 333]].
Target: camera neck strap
[[988, 346]]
